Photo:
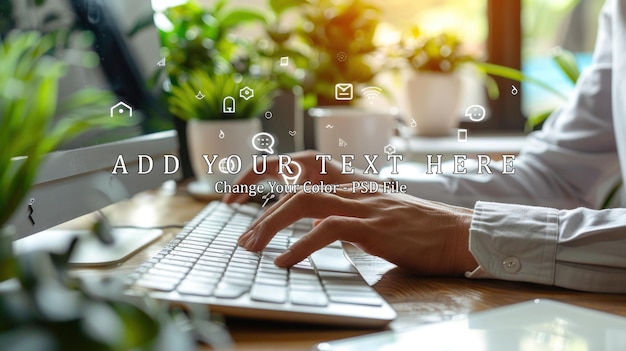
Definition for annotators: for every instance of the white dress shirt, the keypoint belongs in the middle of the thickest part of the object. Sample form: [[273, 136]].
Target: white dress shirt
[[543, 224]]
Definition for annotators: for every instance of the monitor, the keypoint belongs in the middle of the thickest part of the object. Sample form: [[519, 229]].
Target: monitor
[[77, 178]]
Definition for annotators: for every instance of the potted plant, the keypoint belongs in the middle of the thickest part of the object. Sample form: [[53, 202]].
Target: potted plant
[[433, 86], [223, 113], [42, 306], [196, 37]]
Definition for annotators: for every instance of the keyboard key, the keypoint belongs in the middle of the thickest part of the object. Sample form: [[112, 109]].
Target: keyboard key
[[204, 273], [166, 273], [171, 267], [181, 258], [215, 258], [245, 282], [243, 264], [230, 291], [332, 260], [235, 274], [162, 285], [187, 249], [356, 300], [211, 265], [196, 289], [198, 279], [270, 281], [268, 293], [176, 262], [308, 298]]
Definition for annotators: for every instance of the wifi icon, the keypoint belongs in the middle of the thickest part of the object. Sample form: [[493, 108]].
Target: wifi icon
[[371, 93]]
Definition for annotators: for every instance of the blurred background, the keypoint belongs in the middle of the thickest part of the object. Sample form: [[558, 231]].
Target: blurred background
[[543, 25]]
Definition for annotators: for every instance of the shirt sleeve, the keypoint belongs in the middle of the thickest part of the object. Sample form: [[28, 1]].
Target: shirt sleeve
[[579, 249]]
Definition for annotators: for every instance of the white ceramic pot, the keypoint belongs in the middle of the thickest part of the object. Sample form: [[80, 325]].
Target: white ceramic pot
[[352, 131], [433, 102], [222, 138]]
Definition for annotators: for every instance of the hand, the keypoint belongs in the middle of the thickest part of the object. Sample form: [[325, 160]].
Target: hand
[[419, 235], [311, 169]]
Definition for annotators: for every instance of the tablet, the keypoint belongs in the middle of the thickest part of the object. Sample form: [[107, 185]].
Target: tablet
[[537, 325]]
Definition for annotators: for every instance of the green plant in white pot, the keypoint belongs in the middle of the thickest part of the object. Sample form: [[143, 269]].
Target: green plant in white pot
[[433, 85], [223, 114]]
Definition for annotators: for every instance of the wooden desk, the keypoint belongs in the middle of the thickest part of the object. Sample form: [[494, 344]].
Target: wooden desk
[[418, 300]]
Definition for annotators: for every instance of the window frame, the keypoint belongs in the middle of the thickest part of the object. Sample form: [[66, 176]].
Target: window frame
[[504, 47]]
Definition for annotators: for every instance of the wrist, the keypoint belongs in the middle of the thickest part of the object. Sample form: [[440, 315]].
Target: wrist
[[465, 261]]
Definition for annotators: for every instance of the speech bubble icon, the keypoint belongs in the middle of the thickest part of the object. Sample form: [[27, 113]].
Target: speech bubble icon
[[475, 113], [263, 142]]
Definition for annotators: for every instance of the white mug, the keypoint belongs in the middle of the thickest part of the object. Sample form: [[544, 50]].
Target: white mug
[[353, 131]]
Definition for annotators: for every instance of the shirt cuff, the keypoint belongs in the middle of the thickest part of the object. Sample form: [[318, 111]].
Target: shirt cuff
[[514, 242]]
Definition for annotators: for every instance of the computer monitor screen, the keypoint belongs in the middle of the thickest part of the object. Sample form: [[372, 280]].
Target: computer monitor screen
[[77, 178]]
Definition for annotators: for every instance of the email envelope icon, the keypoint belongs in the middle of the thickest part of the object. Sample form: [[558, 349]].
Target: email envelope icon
[[344, 91]]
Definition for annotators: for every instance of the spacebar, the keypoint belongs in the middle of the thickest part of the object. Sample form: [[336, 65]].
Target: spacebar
[[332, 260]]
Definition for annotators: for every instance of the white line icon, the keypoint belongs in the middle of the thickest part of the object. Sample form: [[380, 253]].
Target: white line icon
[[121, 108], [228, 105], [371, 93], [475, 113], [344, 91], [263, 142], [461, 135], [293, 179]]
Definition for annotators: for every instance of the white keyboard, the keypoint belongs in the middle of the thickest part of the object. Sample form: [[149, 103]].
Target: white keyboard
[[204, 264]]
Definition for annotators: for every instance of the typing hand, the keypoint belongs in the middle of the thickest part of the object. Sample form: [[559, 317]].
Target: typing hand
[[422, 236], [310, 171]]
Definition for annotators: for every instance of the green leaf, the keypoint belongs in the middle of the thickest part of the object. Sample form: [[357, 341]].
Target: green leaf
[[241, 16], [611, 196], [280, 6], [536, 120], [140, 330], [517, 75], [567, 63], [144, 22]]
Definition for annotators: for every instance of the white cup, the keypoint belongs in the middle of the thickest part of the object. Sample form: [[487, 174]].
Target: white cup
[[353, 131]]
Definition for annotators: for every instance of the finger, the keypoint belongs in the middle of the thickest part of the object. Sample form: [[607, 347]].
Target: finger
[[272, 209], [246, 236], [329, 229], [301, 205], [278, 205]]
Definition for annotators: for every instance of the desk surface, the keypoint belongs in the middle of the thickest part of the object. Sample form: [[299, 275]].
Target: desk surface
[[418, 300]]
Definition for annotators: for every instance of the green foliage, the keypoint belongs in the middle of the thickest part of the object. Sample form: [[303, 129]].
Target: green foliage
[[438, 53], [28, 101], [334, 29], [514, 74], [328, 41], [46, 308], [185, 105], [201, 38], [566, 61]]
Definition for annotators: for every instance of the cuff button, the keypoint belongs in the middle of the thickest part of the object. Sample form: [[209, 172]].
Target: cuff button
[[511, 264]]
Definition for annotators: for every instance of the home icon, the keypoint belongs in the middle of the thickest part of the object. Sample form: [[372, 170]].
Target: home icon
[[121, 109]]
